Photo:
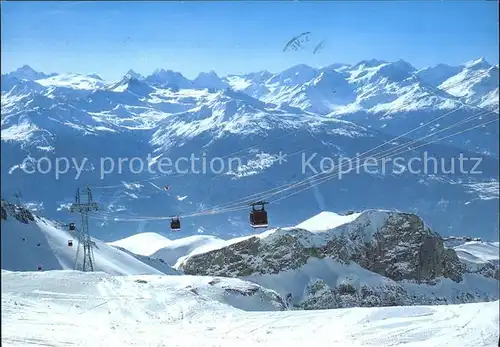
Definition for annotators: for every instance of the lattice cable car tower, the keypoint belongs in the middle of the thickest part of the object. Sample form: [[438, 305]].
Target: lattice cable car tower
[[84, 236]]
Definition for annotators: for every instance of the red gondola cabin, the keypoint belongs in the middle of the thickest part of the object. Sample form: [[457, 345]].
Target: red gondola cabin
[[175, 224], [258, 216]]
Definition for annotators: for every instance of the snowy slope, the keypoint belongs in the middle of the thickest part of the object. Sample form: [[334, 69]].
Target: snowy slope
[[180, 248], [73, 81], [476, 84], [142, 243], [486, 251], [58, 308], [326, 220], [171, 251], [480, 257], [42, 242], [437, 74], [371, 258], [28, 73], [209, 80]]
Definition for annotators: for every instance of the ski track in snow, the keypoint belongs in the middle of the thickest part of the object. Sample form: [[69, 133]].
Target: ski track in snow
[[95, 309]]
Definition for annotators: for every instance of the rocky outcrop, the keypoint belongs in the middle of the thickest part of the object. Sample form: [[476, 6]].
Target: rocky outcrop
[[318, 295], [461, 238], [396, 247], [488, 270], [234, 291], [18, 212], [252, 255], [3, 212], [401, 248]]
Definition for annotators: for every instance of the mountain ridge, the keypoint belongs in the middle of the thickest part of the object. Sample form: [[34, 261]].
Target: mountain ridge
[[254, 120]]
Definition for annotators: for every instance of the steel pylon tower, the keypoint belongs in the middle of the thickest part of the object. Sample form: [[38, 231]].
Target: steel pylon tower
[[84, 236]]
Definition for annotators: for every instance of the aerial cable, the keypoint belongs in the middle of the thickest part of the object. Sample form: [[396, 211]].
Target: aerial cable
[[314, 183], [290, 186], [330, 176], [394, 151], [333, 175], [476, 77], [285, 187], [246, 198], [324, 179], [240, 206], [159, 176]]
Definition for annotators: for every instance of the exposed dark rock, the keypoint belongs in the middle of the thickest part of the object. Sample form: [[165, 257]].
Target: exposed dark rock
[[320, 296], [403, 248], [18, 212], [251, 256], [242, 291], [3, 213], [395, 245], [214, 281]]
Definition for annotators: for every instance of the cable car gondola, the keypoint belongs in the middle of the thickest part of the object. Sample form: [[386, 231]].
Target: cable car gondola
[[175, 224], [258, 216], [71, 226]]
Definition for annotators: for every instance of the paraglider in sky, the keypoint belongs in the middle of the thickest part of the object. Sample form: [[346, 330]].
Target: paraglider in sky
[[319, 46], [301, 41], [297, 41]]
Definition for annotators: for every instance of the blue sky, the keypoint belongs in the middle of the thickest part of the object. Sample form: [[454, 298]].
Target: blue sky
[[108, 38]]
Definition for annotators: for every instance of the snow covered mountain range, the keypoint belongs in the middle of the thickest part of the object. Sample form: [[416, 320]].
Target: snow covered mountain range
[[339, 110], [321, 263], [373, 258]]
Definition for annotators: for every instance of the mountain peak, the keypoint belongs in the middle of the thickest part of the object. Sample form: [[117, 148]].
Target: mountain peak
[[335, 66], [295, 75], [168, 78], [404, 65], [26, 72], [96, 76], [209, 80], [370, 63], [209, 73], [212, 75], [395, 71], [132, 74], [480, 63], [26, 68], [131, 83], [165, 72]]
